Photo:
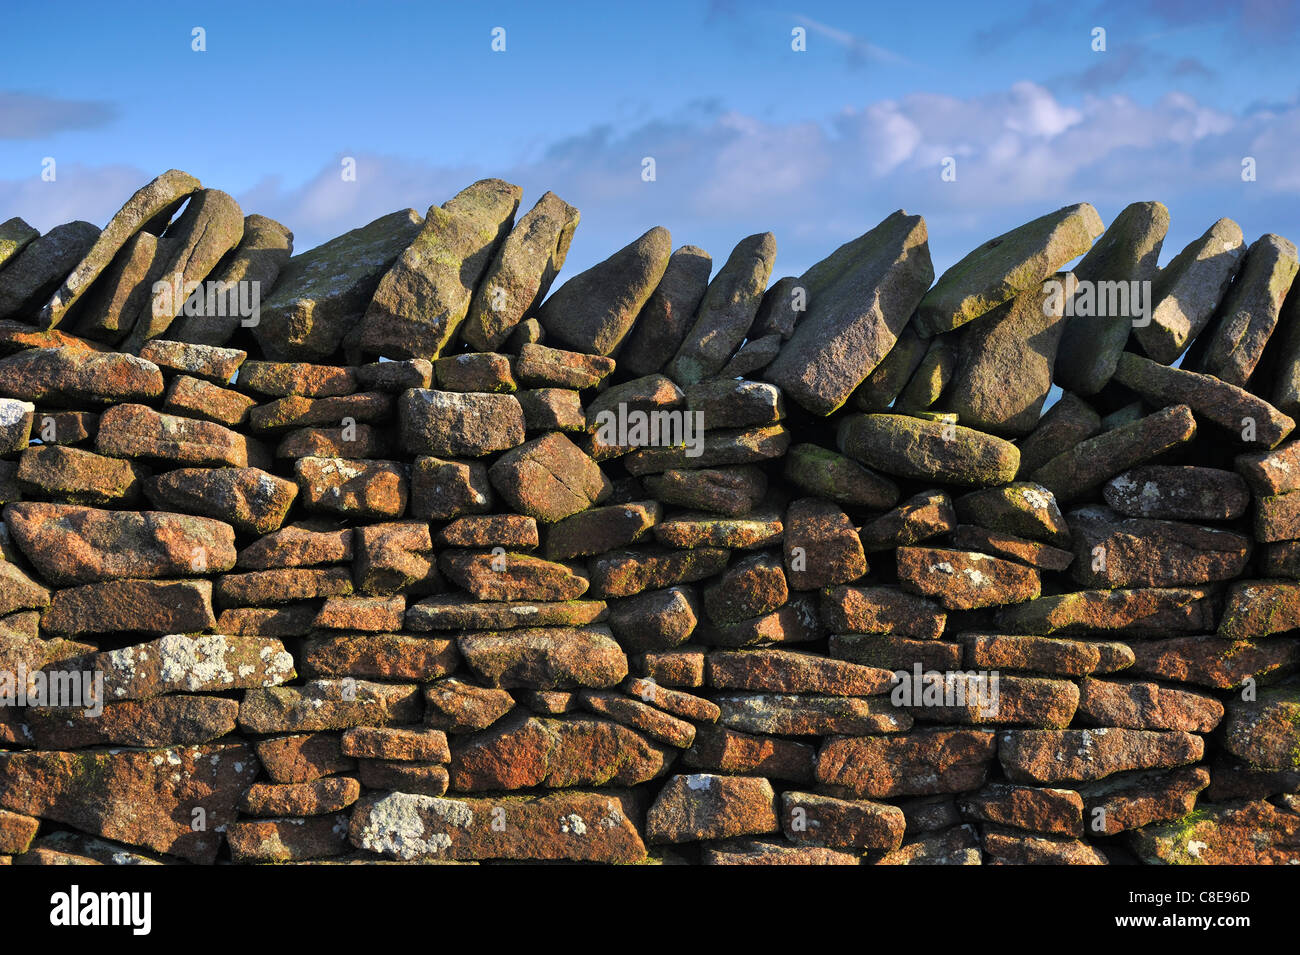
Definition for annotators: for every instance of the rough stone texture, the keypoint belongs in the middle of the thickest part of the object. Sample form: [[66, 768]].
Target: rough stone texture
[[185, 664], [1187, 291], [449, 424], [31, 276], [419, 305], [881, 610], [521, 273], [523, 752], [79, 477], [824, 473], [1148, 706], [1083, 468], [593, 311], [1150, 611], [210, 226], [704, 806], [1114, 551], [454, 606], [593, 827], [1248, 314], [1052, 756], [1178, 493], [1095, 336], [541, 367], [726, 490], [61, 376], [263, 252], [547, 658], [725, 314], [859, 300], [138, 797], [15, 235], [1005, 360], [1240, 833], [250, 499], [965, 580], [70, 544], [155, 201], [1003, 267], [668, 313], [928, 450], [549, 479], [1252, 420], [356, 488], [916, 764], [134, 431], [149, 606], [1061, 427], [328, 705]]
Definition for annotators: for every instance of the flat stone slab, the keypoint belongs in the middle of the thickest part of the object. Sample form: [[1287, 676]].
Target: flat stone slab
[[1251, 420], [1005, 266], [1054, 756], [594, 827], [928, 450], [859, 300], [323, 293], [153, 202], [419, 304], [71, 545], [1188, 290]]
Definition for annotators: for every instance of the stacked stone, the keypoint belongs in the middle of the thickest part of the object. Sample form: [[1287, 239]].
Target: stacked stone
[[370, 575]]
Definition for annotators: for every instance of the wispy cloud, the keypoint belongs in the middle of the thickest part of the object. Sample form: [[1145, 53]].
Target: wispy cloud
[[34, 116], [722, 174], [858, 49]]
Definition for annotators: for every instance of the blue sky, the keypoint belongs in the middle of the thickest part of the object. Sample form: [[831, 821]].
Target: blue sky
[[747, 134]]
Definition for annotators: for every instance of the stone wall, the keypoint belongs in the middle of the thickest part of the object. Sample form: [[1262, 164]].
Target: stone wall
[[386, 551]]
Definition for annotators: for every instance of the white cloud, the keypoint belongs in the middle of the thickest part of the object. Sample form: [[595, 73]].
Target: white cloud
[[34, 116], [816, 182]]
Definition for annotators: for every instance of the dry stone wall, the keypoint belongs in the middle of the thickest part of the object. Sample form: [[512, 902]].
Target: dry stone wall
[[388, 551]]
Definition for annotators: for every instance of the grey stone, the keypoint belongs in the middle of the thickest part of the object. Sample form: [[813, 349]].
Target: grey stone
[[1004, 361], [31, 276], [323, 293], [1128, 252], [859, 300], [421, 302], [593, 311], [1003, 267], [1187, 291], [257, 261], [726, 312], [522, 272], [211, 225], [152, 203], [668, 314]]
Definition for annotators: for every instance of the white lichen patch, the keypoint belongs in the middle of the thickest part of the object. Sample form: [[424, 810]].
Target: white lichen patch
[[398, 825], [573, 823], [13, 412], [194, 663], [1037, 498]]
